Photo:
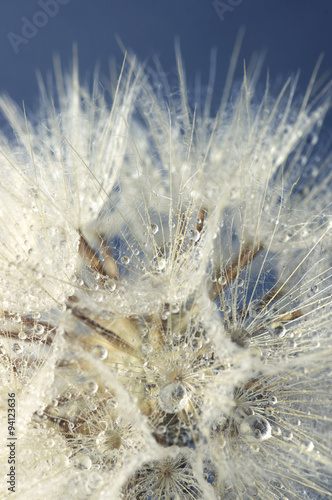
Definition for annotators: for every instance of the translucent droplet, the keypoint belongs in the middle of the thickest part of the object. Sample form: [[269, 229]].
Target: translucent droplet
[[17, 318], [307, 447], [255, 427], [158, 263], [173, 397], [83, 462], [112, 403], [95, 481], [17, 348], [287, 435], [99, 351], [195, 236], [151, 390], [147, 349], [22, 335], [125, 260], [222, 281], [272, 400], [110, 285], [40, 329], [279, 331], [149, 368], [154, 228], [91, 387], [174, 308], [49, 443]]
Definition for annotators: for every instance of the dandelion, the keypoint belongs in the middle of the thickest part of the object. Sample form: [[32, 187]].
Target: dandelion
[[166, 291]]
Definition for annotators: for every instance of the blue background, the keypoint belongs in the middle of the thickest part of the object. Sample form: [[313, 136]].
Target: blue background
[[294, 32]]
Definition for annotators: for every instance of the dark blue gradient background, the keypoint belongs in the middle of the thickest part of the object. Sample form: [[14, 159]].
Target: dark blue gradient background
[[294, 33]]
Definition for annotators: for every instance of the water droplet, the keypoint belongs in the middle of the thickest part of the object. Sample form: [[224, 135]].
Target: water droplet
[[173, 397], [154, 228], [279, 331], [255, 307], [272, 400], [287, 435], [174, 308], [17, 348], [222, 281], [49, 443], [307, 447], [82, 462], [40, 329], [91, 387], [99, 351], [110, 285], [112, 403], [255, 427], [158, 263], [147, 349], [195, 236], [149, 368], [151, 390], [125, 260]]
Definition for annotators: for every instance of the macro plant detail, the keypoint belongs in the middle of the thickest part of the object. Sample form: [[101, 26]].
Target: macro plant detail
[[166, 290]]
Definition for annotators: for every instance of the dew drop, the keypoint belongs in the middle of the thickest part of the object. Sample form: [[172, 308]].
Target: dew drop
[[154, 228], [307, 447], [110, 285], [287, 435], [272, 400], [49, 443], [279, 331], [195, 236], [158, 263], [40, 329], [173, 397], [17, 348], [99, 351], [112, 403], [91, 387], [82, 462], [125, 260], [147, 349], [95, 481], [255, 427], [149, 368], [174, 308]]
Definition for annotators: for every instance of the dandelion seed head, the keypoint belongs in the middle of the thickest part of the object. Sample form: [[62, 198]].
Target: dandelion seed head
[[167, 321]]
